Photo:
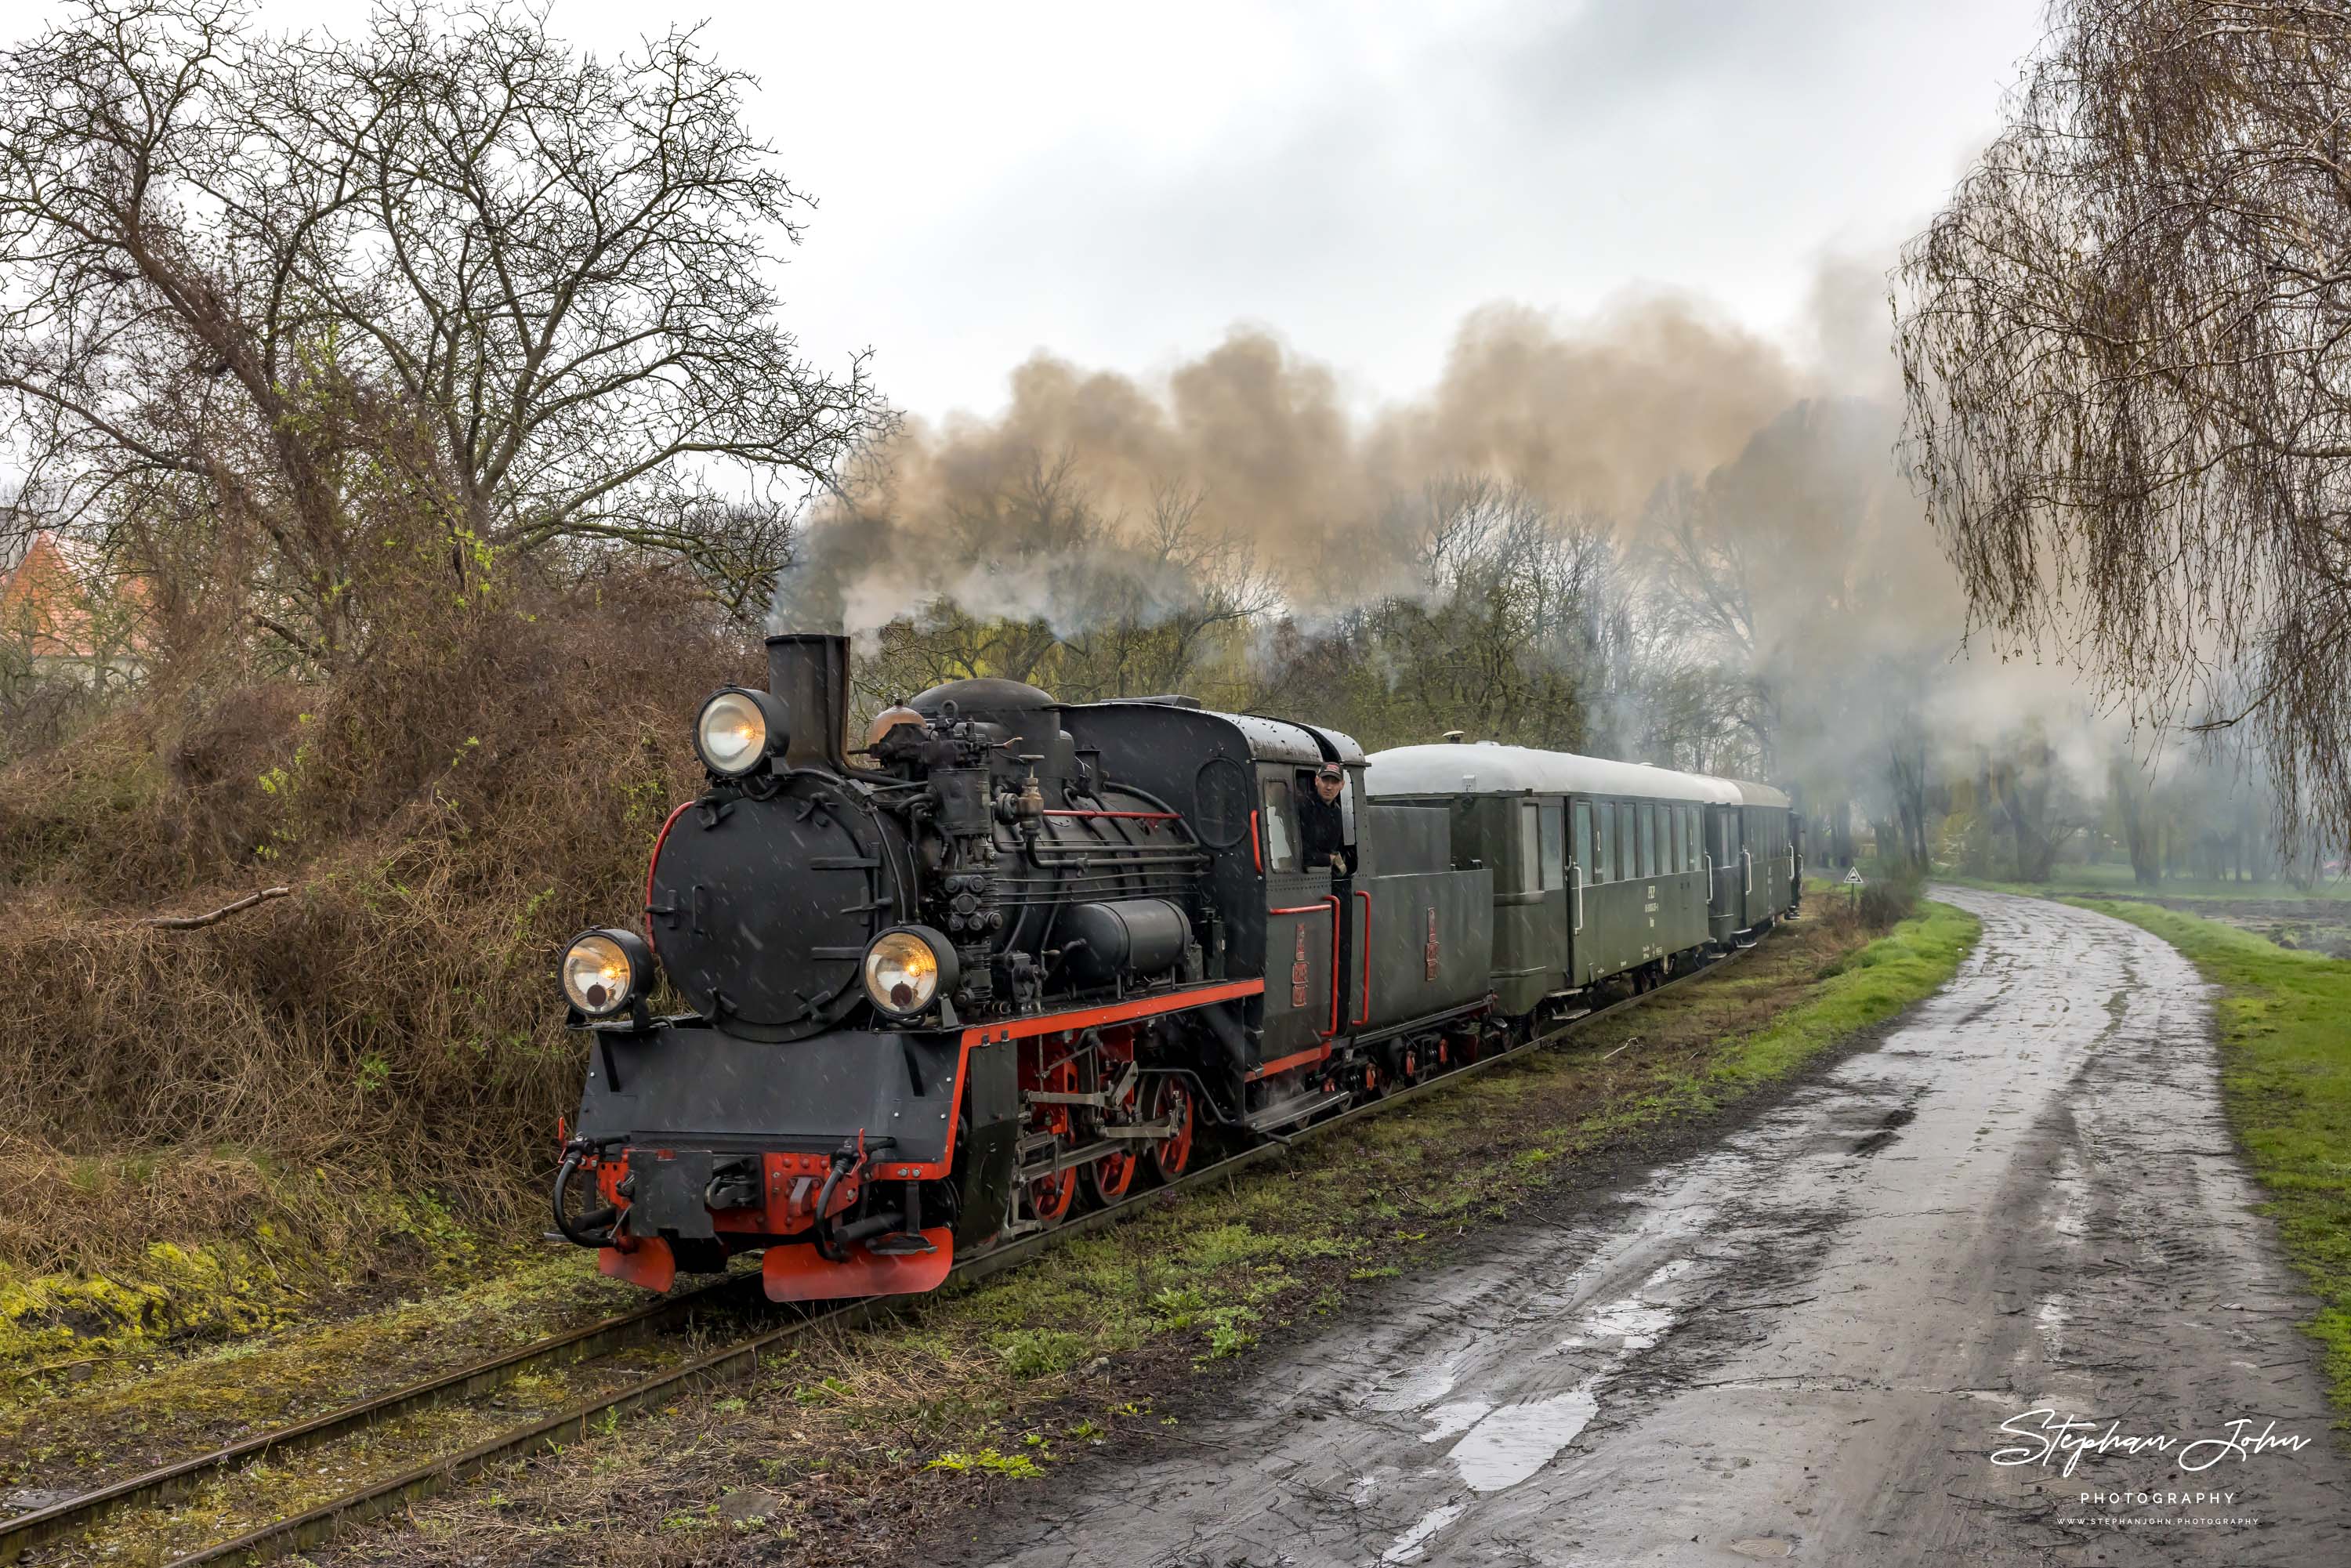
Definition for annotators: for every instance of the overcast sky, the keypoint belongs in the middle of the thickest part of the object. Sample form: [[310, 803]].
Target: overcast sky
[[1120, 183]]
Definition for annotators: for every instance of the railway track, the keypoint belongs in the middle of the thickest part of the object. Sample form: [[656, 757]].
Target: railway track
[[729, 1363]]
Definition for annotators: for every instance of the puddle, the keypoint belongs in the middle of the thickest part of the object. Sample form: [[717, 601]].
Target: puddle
[[1412, 1543], [1414, 1389], [1514, 1442], [1452, 1420], [1667, 1273], [2072, 1194], [2051, 1318], [1638, 1325]]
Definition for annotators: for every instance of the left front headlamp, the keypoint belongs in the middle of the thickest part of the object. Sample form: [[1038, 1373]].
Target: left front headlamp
[[605, 970]]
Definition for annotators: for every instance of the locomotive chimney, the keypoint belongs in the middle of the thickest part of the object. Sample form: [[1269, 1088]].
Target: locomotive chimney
[[810, 669]]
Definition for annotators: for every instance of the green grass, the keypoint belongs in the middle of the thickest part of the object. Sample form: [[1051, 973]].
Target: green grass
[[2285, 1080], [1911, 962]]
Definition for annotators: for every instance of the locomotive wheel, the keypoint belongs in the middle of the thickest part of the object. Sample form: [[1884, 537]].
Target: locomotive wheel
[[1051, 1197], [1108, 1178], [1171, 1102]]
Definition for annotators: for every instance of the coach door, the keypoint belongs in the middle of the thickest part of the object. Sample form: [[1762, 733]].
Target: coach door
[[1725, 904], [1579, 878]]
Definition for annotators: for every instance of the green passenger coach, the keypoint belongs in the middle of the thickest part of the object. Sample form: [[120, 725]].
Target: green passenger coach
[[1600, 869]]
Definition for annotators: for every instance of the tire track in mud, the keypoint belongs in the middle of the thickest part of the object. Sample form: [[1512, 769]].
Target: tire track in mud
[[1802, 1343]]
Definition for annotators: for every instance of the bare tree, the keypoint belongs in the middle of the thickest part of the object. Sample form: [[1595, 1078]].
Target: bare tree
[[260, 293], [2128, 370]]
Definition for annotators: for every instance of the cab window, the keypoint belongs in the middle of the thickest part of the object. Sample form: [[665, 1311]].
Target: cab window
[[1280, 827]]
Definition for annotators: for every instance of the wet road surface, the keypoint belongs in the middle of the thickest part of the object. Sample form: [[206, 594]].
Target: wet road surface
[[1803, 1344]]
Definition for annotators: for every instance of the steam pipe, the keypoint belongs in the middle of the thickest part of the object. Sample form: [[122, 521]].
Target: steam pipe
[[810, 669]]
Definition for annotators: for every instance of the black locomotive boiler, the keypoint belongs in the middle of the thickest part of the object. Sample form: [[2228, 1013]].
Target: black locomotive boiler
[[1021, 954]]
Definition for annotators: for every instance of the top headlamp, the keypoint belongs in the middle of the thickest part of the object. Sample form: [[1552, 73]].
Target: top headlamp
[[737, 730]]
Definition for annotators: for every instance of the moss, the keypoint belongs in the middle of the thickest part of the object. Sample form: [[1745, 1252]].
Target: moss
[[54, 1322]]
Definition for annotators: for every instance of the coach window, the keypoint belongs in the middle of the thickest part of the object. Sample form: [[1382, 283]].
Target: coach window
[[1281, 830], [1529, 850], [1583, 837], [1628, 842], [1648, 841], [1669, 838], [1604, 865], [1554, 853]]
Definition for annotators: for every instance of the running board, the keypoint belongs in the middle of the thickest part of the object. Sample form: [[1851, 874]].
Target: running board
[[1295, 1110]]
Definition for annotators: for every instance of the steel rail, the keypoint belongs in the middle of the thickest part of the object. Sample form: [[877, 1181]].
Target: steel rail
[[181, 1476], [575, 1422]]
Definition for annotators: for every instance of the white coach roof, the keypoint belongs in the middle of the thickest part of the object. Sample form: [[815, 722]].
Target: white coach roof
[[1452, 770]]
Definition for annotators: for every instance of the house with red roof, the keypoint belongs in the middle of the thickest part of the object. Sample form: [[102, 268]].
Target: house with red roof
[[62, 613]]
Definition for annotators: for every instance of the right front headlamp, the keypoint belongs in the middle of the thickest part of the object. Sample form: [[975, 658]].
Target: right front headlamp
[[906, 968], [605, 970]]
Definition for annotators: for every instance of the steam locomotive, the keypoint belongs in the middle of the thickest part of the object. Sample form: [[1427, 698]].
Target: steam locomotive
[[1020, 954]]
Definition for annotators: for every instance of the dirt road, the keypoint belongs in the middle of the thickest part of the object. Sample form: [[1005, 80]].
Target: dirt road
[[1804, 1344]]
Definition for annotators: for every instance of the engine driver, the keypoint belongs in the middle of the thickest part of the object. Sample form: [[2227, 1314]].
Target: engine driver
[[1321, 827]]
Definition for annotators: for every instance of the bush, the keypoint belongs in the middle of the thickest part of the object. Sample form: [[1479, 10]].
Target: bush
[[446, 815], [1887, 901]]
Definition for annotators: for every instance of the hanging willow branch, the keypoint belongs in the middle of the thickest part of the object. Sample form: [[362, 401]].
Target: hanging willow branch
[[2126, 351]]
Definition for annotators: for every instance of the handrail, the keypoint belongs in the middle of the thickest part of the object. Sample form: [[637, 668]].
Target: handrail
[[1365, 937], [1748, 857], [1578, 929], [1337, 979]]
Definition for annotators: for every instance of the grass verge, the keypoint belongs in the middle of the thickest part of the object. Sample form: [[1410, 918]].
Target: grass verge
[[2285, 1080], [858, 1443]]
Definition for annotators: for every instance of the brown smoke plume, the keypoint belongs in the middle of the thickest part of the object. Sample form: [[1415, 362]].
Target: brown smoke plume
[[1592, 416]]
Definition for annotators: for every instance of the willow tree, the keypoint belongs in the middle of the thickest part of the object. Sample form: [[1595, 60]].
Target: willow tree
[[2127, 345]]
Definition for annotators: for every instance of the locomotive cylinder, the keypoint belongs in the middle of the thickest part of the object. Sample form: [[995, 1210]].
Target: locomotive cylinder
[[1129, 937]]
